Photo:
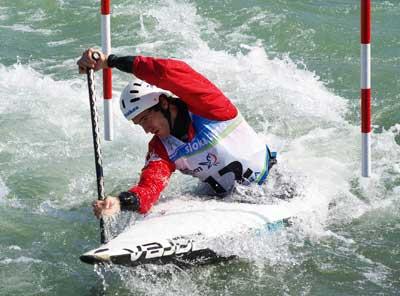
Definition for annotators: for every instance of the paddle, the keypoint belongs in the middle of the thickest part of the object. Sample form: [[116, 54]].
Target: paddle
[[96, 142]]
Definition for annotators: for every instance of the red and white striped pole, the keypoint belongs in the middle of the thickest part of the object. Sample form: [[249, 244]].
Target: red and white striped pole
[[107, 74], [366, 87]]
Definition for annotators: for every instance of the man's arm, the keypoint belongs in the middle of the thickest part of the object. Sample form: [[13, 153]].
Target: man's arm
[[154, 177], [202, 97], [144, 195]]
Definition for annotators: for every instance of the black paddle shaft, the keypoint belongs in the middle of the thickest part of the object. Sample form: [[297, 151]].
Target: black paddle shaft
[[96, 144]]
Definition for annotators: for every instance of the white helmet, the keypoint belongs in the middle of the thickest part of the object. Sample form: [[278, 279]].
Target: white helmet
[[138, 96]]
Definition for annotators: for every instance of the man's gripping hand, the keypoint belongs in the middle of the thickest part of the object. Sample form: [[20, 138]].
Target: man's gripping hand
[[107, 207], [126, 201], [88, 62]]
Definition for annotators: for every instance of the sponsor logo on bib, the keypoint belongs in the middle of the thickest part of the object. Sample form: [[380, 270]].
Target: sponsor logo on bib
[[196, 145], [212, 160]]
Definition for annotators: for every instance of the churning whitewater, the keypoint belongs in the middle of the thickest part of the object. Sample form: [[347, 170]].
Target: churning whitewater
[[292, 69]]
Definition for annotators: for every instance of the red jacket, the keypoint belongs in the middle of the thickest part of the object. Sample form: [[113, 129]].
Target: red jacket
[[202, 98]]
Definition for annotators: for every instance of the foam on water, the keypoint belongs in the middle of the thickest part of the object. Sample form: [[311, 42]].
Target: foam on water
[[61, 42], [3, 190], [48, 142], [48, 132], [43, 129], [26, 90], [297, 115], [28, 29], [20, 260], [17, 248]]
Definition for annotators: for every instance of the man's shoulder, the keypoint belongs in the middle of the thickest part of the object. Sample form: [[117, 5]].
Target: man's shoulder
[[155, 142], [157, 147]]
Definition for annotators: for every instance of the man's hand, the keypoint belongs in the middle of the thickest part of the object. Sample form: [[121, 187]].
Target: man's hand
[[107, 207], [87, 62]]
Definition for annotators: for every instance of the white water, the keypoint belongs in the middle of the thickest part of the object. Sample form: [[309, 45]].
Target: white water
[[299, 117], [287, 104], [49, 142]]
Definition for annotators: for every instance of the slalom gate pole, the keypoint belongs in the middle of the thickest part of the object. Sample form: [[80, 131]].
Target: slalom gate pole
[[96, 144], [366, 87], [107, 74]]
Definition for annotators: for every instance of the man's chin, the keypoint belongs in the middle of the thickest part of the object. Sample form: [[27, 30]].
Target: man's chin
[[162, 135]]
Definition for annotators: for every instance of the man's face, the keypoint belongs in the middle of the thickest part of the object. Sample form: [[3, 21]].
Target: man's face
[[153, 122]]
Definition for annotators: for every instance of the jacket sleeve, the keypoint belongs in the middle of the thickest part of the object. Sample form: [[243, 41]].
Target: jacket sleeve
[[202, 97], [154, 177]]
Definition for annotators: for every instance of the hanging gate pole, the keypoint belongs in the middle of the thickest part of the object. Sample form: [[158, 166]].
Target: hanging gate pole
[[107, 74], [366, 87]]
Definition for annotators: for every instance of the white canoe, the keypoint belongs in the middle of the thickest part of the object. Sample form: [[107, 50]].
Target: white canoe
[[184, 232]]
